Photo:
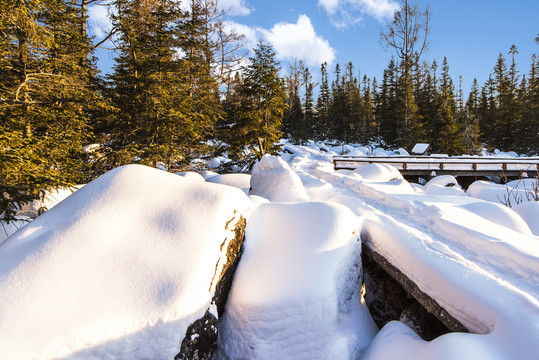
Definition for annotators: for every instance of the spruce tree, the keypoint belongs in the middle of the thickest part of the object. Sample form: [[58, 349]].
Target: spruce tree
[[322, 104], [446, 136], [502, 120], [166, 102], [386, 106], [527, 134], [367, 112], [263, 103], [46, 98], [471, 119], [308, 105], [293, 121]]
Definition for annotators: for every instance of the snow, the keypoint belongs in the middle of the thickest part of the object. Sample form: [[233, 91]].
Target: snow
[[241, 181], [443, 185], [304, 307], [117, 270], [273, 179], [31, 210], [420, 148], [378, 172], [512, 193], [529, 212], [191, 175], [122, 266]]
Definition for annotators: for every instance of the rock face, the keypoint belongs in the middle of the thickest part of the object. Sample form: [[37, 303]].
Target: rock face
[[390, 295], [201, 336]]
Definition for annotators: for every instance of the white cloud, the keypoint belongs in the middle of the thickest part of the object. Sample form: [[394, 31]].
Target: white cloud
[[380, 9], [235, 7], [99, 22], [250, 33], [344, 13], [329, 5], [299, 41]]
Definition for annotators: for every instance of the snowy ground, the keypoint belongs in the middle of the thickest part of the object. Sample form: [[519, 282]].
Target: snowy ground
[[294, 295]]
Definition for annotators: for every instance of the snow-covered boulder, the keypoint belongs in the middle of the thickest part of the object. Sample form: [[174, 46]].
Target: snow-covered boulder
[[378, 172], [273, 179], [442, 180], [296, 292], [529, 212], [191, 175], [241, 181], [498, 214], [512, 193], [119, 269], [206, 174]]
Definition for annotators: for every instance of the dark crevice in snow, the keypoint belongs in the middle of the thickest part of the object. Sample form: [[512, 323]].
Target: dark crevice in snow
[[391, 295]]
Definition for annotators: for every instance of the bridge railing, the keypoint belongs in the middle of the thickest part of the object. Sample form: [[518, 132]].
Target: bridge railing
[[440, 165]]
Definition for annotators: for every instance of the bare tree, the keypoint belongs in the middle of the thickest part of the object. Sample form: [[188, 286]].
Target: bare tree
[[408, 33], [408, 36]]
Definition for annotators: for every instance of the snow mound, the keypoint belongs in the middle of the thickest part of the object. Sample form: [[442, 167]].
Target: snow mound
[[498, 214], [296, 293], [378, 172], [207, 174], [273, 179], [117, 270], [191, 175], [442, 180], [241, 181], [529, 212], [435, 189], [512, 193]]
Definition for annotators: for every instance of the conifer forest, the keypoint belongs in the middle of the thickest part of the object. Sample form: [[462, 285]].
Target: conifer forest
[[182, 87]]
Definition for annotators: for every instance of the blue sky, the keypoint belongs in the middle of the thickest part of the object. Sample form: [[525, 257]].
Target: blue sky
[[469, 33]]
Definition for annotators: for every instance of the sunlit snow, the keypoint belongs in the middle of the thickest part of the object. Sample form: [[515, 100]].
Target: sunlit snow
[[120, 268]]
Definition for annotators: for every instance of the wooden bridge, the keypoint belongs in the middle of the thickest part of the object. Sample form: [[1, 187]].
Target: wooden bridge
[[472, 166]]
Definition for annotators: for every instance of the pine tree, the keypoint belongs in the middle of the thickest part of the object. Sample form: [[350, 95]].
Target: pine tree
[[502, 127], [263, 103], [167, 104], [386, 106], [293, 121], [471, 120], [446, 137], [487, 112], [337, 114], [408, 36], [322, 105], [45, 98], [367, 112], [426, 101], [527, 135], [308, 105]]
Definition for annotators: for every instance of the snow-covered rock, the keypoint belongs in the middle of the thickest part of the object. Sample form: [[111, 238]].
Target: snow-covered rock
[[191, 175], [529, 212], [442, 180], [241, 181], [378, 172], [512, 193], [273, 179], [435, 189], [117, 270], [296, 292]]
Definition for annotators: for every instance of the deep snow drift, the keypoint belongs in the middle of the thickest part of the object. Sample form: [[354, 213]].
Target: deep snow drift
[[121, 267]]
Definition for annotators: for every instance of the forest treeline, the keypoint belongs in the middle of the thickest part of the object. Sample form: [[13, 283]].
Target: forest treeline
[[175, 94]]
